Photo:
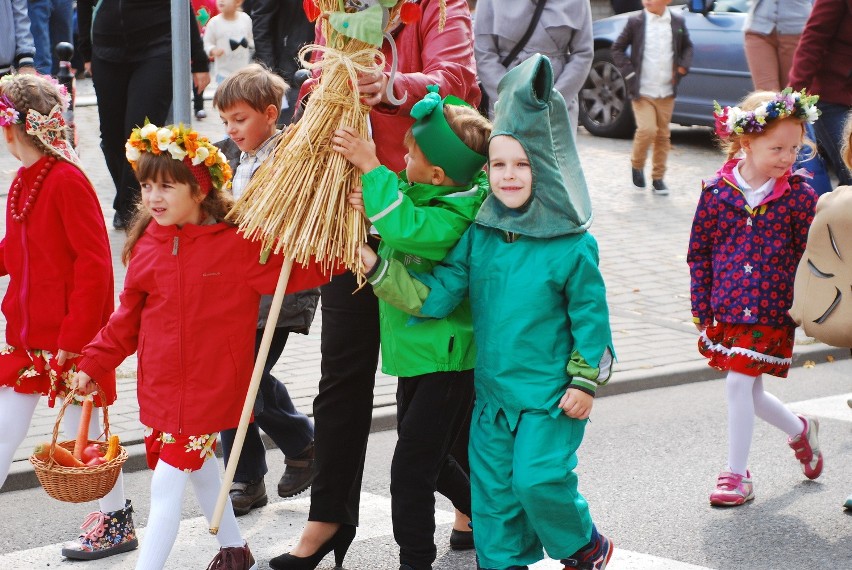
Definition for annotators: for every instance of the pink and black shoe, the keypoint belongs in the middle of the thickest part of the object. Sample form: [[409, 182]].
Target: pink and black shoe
[[594, 558], [732, 490], [106, 534], [806, 446]]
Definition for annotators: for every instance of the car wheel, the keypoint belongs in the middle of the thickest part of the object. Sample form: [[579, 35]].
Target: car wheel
[[605, 109]]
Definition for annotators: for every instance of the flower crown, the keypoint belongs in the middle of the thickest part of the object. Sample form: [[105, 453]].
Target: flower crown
[[787, 103], [184, 144]]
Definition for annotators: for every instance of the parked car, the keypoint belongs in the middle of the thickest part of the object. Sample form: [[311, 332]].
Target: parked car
[[719, 69]]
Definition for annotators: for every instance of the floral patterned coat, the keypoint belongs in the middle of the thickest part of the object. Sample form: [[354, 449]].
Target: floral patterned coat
[[742, 261]]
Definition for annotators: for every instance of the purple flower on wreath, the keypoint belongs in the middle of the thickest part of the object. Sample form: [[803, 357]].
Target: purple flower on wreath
[[8, 114]]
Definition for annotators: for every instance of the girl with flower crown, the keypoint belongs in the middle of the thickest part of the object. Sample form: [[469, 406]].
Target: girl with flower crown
[[60, 289], [189, 307], [749, 232]]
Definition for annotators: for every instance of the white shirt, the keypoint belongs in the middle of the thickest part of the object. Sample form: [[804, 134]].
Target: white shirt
[[754, 196], [218, 34], [658, 57]]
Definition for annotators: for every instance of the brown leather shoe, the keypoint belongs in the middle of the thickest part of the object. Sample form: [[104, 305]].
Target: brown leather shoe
[[299, 473], [233, 558], [247, 496]]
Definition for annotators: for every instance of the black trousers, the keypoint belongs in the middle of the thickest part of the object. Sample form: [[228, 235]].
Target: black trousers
[[431, 409], [343, 408], [275, 414], [127, 93]]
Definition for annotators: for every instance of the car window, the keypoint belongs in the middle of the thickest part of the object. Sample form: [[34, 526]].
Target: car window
[[740, 6]]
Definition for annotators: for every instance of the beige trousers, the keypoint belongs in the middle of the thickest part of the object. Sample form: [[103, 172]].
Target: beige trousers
[[770, 58], [653, 116]]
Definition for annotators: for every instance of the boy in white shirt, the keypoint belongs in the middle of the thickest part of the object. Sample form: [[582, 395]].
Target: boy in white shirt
[[660, 55], [228, 38]]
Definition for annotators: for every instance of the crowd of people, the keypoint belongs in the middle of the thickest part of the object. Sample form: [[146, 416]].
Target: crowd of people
[[456, 197]]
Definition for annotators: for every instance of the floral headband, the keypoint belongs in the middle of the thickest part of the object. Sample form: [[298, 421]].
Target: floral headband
[[787, 103], [206, 162]]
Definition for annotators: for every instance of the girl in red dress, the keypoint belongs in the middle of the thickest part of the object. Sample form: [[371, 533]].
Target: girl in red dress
[[56, 254]]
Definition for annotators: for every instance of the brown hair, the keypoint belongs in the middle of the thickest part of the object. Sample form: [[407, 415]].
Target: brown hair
[[473, 129], [846, 148], [162, 167], [254, 85], [25, 92], [734, 143]]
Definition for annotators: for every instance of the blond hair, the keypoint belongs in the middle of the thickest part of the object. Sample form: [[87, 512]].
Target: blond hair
[[254, 85], [162, 167], [25, 92], [733, 144], [469, 126]]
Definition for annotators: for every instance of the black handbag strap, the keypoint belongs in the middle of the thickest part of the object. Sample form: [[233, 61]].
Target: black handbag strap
[[539, 8]]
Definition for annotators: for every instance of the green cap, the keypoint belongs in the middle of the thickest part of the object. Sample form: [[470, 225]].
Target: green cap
[[438, 141]]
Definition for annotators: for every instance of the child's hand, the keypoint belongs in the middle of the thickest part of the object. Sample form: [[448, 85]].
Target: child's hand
[[63, 355], [360, 152], [82, 383], [368, 257], [576, 404], [217, 52], [356, 200]]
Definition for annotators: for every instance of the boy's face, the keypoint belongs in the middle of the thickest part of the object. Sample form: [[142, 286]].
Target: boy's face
[[418, 169], [656, 6], [248, 127], [509, 171]]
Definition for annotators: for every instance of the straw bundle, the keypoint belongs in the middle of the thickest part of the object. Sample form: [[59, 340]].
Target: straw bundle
[[296, 201]]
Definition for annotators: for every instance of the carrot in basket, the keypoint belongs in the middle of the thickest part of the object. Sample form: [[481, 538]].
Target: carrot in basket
[[61, 455], [83, 430], [112, 450]]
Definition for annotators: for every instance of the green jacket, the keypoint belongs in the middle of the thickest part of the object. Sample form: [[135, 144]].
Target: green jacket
[[419, 224]]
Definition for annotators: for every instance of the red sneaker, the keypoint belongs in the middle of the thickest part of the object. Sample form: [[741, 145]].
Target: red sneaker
[[806, 446], [732, 490]]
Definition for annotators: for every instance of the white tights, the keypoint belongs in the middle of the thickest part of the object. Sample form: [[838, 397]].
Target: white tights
[[16, 413], [746, 398], [167, 488]]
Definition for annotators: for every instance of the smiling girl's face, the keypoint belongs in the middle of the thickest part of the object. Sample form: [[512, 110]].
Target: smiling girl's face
[[509, 171]]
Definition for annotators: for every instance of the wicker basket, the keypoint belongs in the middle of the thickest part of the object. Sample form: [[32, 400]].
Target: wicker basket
[[78, 484]]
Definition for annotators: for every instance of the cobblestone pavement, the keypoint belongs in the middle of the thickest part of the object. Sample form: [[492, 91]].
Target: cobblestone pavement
[[643, 241]]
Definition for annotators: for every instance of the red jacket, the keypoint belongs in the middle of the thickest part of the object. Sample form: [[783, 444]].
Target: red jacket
[[189, 307], [823, 59], [425, 57], [58, 260]]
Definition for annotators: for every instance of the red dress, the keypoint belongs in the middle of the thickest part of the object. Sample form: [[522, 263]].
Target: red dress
[[60, 289]]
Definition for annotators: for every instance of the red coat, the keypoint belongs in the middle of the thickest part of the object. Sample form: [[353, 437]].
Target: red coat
[[823, 58], [189, 307], [58, 260], [425, 57]]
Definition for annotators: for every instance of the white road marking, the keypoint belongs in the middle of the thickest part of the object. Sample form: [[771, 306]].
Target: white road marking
[[833, 407], [271, 530]]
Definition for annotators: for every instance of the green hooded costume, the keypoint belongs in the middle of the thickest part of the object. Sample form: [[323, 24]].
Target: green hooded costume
[[541, 325]]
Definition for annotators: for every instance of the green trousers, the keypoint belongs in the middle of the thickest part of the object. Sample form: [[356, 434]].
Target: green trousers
[[524, 489]]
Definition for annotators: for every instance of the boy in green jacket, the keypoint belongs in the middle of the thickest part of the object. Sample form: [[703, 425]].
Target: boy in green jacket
[[540, 318], [420, 215]]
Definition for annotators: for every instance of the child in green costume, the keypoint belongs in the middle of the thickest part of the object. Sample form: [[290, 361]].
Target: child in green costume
[[541, 325], [420, 216]]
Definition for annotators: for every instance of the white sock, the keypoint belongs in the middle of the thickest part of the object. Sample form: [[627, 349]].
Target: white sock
[[114, 500], [771, 410], [16, 413], [740, 420], [206, 482], [167, 487]]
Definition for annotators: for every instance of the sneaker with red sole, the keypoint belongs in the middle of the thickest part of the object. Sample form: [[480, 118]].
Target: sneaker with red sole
[[594, 559], [732, 490], [806, 446]]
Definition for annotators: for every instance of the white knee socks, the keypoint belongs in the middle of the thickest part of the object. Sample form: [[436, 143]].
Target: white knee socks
[[746, 398], [16, 413], [167, 487]]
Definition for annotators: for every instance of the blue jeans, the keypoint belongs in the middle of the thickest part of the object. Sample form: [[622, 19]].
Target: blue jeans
[[51, 22], [829, 132]]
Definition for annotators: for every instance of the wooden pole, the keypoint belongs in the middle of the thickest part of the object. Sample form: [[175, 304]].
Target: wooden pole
[[248, 406]]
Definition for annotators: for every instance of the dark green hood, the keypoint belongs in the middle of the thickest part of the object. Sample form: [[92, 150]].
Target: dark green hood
[[531, 111]]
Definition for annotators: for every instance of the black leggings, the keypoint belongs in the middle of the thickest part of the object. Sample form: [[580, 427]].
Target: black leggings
[[127, 93]]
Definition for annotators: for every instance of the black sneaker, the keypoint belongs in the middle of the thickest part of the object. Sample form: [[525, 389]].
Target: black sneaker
[[638, 179], [660, 188]]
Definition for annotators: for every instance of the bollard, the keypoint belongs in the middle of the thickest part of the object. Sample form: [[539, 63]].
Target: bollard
[[64, 52]]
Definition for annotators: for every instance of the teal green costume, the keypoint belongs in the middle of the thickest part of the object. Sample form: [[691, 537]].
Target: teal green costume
[[541, 326]]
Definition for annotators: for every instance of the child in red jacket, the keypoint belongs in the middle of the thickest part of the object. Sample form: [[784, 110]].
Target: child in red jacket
[[60, 289], [189, 307]]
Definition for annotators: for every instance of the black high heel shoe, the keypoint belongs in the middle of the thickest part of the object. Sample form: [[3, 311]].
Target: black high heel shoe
[[339, 543]]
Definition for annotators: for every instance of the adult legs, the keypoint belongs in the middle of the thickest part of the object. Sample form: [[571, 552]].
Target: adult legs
[[39, 13], [61, 29], [764, 63], [430, 409], [16, 413]]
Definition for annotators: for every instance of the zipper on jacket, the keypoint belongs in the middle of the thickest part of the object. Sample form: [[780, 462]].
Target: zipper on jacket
[[182, 326], [452, 342], [175, 245]]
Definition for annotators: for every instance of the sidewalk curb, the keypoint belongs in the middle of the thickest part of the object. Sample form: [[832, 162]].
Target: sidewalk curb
[[21, 475]]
